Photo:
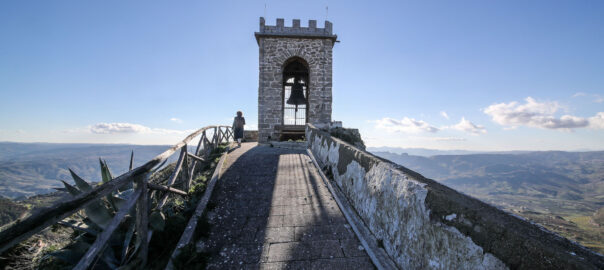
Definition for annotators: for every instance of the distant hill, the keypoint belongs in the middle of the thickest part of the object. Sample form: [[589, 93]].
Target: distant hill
[[419, 151], [568, 176], [28, 169]]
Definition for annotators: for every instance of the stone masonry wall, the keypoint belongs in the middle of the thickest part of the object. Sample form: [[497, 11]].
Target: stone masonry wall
[[277, 44], [425, 225]]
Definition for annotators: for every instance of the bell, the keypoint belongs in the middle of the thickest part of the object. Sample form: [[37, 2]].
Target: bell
[[296, 97]]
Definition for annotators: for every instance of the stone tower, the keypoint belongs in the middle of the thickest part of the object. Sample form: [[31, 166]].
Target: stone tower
[[288, 54]]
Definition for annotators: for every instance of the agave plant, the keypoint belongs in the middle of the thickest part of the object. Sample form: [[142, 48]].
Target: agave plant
[[121, 249]]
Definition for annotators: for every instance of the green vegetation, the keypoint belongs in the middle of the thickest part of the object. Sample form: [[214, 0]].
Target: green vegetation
[[578, 228], [10, 210]]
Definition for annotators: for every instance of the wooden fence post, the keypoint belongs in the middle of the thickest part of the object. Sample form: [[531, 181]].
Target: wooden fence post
[[208, 148], [192, 169], [186, 184], [216, 137], [174, 175], [219, 140]]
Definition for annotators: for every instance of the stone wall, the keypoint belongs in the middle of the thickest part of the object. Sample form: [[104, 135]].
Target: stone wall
[[422, 224], [277, 45], [250, 135]]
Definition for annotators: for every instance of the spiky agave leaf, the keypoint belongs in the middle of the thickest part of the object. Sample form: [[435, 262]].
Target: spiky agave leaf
[[91, 224], [118, 203], [95, 211], [80, 183], [99, 213], [71, 189], [106, 177], [105, 173], [127, 240], [121, 198]]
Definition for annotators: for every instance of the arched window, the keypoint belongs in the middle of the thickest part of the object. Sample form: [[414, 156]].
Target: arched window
[[295, 76]]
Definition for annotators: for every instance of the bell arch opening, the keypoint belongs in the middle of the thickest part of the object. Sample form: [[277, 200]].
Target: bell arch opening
[[295, 92]]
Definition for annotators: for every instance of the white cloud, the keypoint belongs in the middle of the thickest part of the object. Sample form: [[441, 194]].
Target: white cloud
[[437, 139], [406, 125], [533, 114], [596, 98], [112, 128], [449, 139], [125, 128], [444, 114], [176, 120], [597, 121], [467, 126]]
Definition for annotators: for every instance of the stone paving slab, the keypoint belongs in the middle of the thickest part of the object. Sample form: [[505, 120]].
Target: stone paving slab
[[272, 211]]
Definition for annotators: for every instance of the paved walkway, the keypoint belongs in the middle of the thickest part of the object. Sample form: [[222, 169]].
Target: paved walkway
[[272, 211]]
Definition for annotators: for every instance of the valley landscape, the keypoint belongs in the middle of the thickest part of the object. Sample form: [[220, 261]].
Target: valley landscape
[[563, 191], [28, 169]]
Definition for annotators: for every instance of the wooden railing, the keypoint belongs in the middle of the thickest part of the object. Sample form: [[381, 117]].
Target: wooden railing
[[185, 166]]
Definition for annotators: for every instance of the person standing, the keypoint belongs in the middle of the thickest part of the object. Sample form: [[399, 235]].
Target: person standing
[[238, 124]]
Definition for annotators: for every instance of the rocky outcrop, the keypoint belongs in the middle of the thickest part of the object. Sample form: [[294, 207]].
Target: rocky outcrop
[[422, 224], [349, 135]]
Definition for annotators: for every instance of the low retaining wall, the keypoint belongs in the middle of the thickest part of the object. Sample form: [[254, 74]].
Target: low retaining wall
[[423, 224], [250, 135]]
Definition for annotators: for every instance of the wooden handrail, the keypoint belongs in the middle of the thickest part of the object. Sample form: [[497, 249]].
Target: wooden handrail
[[196, 157], [165, 188]]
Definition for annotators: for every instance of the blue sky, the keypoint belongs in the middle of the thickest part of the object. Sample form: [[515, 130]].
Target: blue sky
[[476, 75]]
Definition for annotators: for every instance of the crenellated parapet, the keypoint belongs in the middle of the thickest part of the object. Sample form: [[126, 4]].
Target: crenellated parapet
[[296, 30]]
